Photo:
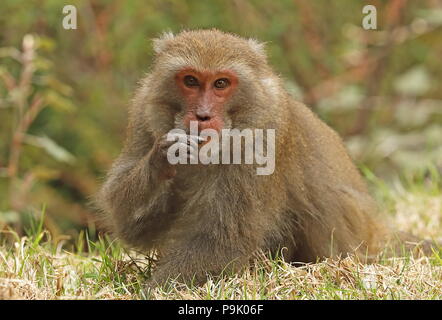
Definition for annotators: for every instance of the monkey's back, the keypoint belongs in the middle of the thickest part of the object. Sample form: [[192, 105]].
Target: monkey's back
[[335, 213]]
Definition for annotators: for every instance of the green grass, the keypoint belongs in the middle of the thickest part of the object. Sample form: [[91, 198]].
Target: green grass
[[35, 267]]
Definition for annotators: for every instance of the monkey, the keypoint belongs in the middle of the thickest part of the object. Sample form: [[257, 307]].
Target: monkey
[[207, 219]]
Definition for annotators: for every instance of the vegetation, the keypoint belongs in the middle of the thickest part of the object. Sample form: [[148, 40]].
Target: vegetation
[[37, 267]]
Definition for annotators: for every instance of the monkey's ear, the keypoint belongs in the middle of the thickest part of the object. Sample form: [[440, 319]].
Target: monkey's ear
[[257, 47], [160, 43]]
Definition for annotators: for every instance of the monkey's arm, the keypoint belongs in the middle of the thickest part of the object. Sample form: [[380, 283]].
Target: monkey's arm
[[134, 196]]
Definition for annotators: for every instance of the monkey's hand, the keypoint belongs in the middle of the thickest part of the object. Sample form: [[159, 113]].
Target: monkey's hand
[[158, 156]]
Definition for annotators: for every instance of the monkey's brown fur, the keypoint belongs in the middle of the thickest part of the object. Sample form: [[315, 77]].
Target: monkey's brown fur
[[203, 219]]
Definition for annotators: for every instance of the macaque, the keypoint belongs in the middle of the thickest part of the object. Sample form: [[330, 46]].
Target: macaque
[[205, 219]]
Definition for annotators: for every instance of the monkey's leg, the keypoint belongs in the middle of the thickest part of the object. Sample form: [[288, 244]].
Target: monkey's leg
[[193, 261]]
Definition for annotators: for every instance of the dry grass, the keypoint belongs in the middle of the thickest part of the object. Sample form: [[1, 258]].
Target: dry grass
[[37, 269]]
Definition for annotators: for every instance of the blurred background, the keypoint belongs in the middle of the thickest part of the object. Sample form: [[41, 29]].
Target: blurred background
[[64, 93]]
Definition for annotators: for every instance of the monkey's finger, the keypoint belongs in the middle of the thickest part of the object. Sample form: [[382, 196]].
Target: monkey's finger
[[194, 141], [192, 148], [174, 137], [189, 149], [183, 152], [197, 139], [171, 138]]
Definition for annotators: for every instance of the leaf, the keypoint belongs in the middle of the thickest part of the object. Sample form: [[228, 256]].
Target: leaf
[[57, 101], [43, 64], [52, 148], [43, 173], [10, 52], [9, 216], [57, 85], [45, 43]]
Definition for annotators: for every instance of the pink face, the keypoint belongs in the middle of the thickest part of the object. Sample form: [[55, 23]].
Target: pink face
[[205, 94]]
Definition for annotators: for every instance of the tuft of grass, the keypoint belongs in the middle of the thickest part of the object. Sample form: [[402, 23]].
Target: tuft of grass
[[37, 267]]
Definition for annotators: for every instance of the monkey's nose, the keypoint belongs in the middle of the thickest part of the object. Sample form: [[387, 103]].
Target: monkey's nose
[[203, 116]]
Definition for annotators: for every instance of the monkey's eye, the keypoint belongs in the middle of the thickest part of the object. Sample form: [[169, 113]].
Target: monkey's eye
[[221, 83], [191, 81]]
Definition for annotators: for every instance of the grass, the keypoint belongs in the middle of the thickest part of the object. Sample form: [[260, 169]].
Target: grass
[[34, 267]]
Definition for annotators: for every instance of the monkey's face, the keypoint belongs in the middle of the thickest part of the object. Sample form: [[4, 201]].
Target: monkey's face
[[213, 78], [205, 95]]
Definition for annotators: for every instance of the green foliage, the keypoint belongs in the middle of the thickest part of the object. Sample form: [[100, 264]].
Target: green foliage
[[379, 89]]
